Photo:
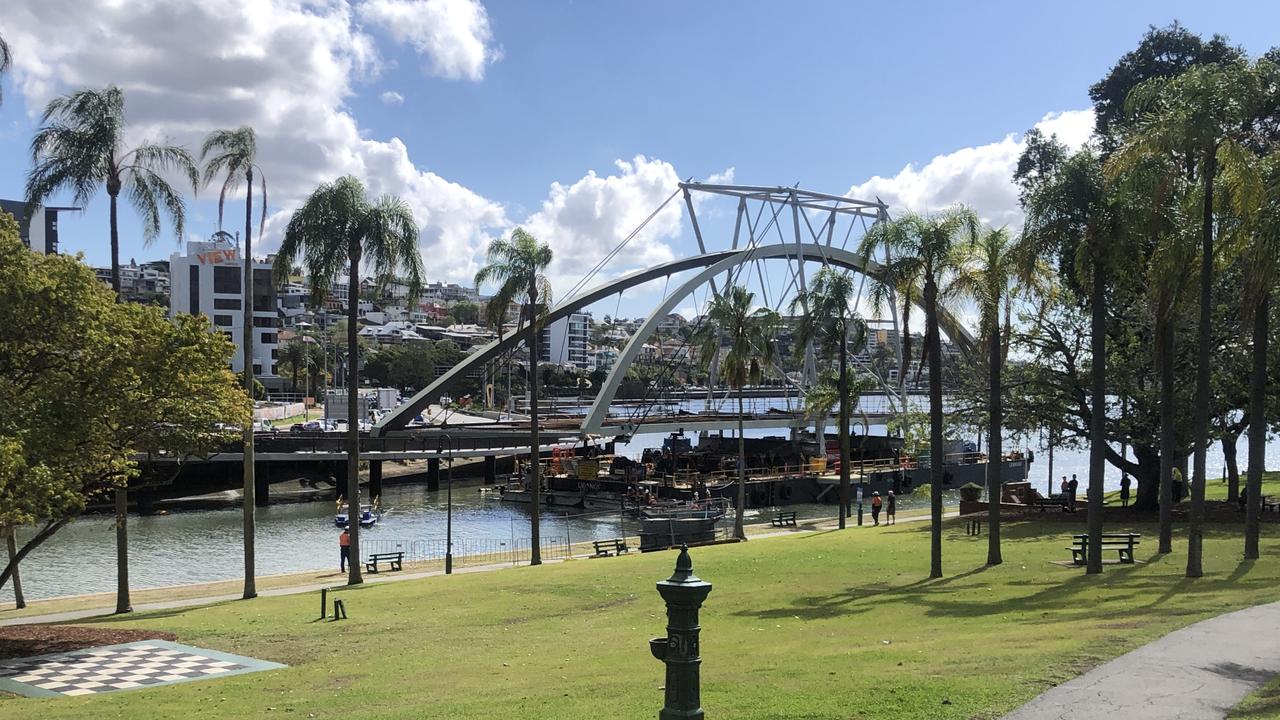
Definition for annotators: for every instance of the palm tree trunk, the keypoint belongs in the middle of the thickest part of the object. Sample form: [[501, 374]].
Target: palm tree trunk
[[248, 499], [739, 531], [844, 430], [1200, 415], [1257, 427], [995, 466], [19, 601], [1098, 418], [123, 604], [933, 348], [353, 416], [535, 454], [1165, 346]]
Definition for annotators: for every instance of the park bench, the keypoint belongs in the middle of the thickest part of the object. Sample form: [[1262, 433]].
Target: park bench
[[784, 519], [1122, 543], [1271, 503], [394, 559], [605, 548], [1043, 503]]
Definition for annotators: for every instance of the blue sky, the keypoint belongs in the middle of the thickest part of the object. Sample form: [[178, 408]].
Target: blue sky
[[503, 99]]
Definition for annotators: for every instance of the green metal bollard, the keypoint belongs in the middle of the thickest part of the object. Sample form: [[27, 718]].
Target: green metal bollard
[[684, 593]]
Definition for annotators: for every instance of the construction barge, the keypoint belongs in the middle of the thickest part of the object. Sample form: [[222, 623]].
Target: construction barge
[[779, 471]]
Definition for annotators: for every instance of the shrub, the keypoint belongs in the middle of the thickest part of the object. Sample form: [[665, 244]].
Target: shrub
[[970, 492]]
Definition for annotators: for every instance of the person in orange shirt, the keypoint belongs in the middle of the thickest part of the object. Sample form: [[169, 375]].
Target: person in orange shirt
[[876, 502], [344, 549]]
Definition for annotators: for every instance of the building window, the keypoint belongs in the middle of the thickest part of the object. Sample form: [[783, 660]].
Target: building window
[[193, 300], [265, 322], [264, 291], [226, 304], [226, 279], [222, 320], [231, 338], [257, 369], [275, 354], [268, 338]]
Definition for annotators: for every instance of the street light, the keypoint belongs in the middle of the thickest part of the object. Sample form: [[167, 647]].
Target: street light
[[446, 440]]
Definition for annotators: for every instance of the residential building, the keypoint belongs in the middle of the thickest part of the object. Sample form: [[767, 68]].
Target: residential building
[[564, 342], [209, 280], [41, 235]]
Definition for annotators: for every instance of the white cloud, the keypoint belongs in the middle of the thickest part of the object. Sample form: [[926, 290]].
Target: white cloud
[[587, 219], [391, 97], [453, 35], [980, 177], [283, 67]]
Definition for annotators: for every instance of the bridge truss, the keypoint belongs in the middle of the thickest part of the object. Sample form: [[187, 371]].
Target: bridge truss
[[771, 225]]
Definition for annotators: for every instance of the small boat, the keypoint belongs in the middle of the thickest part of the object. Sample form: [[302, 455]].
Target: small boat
[[369, 516]]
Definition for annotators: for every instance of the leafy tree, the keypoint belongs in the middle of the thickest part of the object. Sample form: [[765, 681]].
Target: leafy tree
[[1164, 52], [338, 228], [825, 395], [742, 339], [989, 272], [517, 265], [828, 321], [80, 147], [235, 153], [91, 384], [465, 313], [1201, 117], [928, 248]]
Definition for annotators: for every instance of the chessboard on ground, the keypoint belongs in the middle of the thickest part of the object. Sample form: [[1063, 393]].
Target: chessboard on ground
[[146, 663]]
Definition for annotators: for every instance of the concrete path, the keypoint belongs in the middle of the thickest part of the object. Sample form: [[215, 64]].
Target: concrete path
[[1198, 672]]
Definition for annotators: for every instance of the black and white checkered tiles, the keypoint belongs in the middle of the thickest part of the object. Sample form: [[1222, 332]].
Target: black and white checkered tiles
[[119, 667]]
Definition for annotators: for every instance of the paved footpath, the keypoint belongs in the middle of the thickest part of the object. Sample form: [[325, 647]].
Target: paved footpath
[[1198, 672]]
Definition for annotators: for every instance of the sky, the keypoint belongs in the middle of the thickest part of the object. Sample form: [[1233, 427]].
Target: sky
[[577, 119]]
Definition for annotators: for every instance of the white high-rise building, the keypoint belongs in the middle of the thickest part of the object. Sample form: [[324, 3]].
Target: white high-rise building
[[209, 280], [564, 342]]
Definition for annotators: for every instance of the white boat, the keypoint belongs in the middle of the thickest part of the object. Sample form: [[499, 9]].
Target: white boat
[[369, 516]]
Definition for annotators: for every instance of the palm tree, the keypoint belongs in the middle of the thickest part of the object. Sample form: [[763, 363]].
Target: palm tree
[[1262, 253], [1072, 214], [1202, 116], [829, 320], [234, 152], [749, 335], [79, 148], [825, 395], [6, 61], [994, 270], [295, 354], [337, 229], [517, 265], [926, 247]]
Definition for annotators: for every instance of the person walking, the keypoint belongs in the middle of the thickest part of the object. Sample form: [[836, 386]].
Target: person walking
[[1064, 487], [891, 509], [344, 548], [1071, 492], [1124, 490], [876, 502]]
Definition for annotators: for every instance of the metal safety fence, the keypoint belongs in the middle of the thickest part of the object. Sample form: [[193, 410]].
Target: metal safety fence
[[469, 551]]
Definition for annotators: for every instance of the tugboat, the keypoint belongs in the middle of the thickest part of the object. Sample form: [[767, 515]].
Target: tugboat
[[684, 524], [369, 514]]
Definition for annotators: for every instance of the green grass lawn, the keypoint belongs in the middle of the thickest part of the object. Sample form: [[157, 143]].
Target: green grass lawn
[[824, 625], [1263, 703]]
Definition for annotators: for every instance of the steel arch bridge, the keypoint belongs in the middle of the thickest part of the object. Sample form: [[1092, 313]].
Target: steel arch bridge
[[818, 244]]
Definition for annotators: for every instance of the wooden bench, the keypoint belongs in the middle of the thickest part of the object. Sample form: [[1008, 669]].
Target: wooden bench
[[1043, 503], [783, 519], [394, 559], [1122, 543], [606, 548]]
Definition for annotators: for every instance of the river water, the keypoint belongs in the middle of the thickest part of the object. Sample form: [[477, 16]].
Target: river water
[[192, 546]]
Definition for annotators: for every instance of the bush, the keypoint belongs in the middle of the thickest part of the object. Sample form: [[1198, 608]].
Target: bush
[[970, 492]]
